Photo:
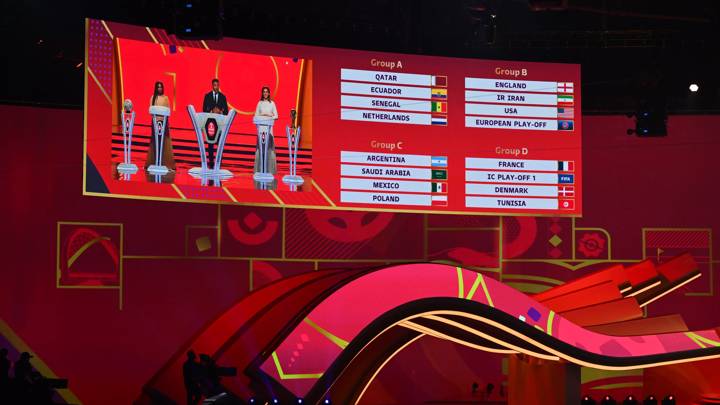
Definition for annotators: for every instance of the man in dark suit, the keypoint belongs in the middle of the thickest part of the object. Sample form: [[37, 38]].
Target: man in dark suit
[[214, 102]]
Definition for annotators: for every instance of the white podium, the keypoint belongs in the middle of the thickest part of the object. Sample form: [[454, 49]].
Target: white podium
[[200, 120], [127, 120], [264, 129], [159, 116]]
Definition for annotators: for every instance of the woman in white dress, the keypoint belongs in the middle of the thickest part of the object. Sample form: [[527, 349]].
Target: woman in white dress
[[266, 109]]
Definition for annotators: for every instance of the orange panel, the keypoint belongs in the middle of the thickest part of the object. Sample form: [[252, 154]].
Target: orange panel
[[592, 295], [615, 273], [609, 312], [641, 272], [645, 326], [678, 267]]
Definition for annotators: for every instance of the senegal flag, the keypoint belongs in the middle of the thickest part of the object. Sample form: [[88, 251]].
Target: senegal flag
[[439, 106]]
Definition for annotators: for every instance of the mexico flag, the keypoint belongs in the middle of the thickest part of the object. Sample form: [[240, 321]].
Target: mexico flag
[[439, 188]]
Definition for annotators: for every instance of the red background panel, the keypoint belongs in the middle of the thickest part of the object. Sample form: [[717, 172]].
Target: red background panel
[[167, 296]]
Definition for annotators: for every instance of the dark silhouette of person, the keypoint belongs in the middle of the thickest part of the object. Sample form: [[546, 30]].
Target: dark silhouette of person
[[22, 370], [191, 377], [4, 367], [475, 387], [4, 375], [40, 391], [489, 389], [211, 377]]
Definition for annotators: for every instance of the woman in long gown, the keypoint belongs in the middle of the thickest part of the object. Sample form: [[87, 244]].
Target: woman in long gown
[[168, 159], [266, 109]]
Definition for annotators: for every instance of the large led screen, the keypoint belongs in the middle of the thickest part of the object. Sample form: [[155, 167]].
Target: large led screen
[[259, 123]]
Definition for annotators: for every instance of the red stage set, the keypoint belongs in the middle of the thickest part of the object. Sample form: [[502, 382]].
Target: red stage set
[[368, 305]]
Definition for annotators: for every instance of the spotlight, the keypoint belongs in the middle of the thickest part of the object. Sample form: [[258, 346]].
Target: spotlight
[[252, 400], [630, 400], [326, 401], [694, 87], [300, 401], [275, 401], [587, 400], [650, 400], [608, 400], [669, 400]]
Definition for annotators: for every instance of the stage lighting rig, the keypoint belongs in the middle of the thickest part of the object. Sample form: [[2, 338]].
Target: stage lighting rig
[[649, 123], [198, 19]]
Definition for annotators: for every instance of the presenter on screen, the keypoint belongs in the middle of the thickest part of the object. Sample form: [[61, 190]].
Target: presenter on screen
[[266, 109], [159, 98], [215, 101]]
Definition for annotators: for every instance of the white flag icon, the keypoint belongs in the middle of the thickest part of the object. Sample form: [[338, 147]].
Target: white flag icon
[[565, 87]]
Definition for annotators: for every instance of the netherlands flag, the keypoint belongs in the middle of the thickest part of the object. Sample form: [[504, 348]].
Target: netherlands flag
[[438, 120]]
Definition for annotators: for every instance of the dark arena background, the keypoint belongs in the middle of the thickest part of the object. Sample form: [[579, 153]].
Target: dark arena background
[[381, 202]]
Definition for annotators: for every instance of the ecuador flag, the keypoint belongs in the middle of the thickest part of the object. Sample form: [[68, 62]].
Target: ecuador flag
[[438, 93]]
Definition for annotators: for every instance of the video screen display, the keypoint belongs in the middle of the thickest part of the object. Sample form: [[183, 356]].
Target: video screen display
[[259, 123]]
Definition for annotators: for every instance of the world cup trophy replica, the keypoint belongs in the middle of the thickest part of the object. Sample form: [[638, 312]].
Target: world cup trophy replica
[[293, 136], [127, 121]]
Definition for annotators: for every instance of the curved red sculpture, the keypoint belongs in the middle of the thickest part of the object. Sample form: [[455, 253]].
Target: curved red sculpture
[[327, 333]]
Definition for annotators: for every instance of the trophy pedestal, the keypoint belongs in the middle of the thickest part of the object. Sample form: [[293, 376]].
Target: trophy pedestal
[[263, 177], [292, 179], [155, 169], [127, 168], [222, 173], [199, 172]]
